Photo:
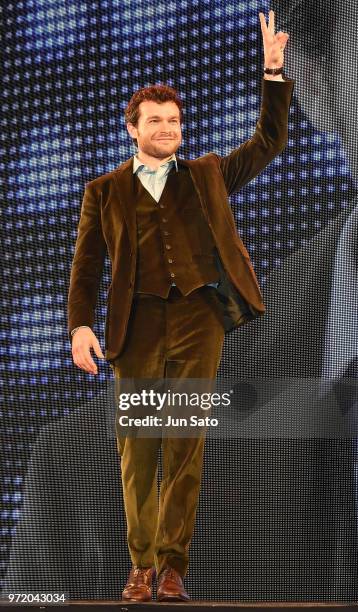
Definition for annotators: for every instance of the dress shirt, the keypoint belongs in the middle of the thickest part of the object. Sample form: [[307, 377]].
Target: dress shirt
[[154, 180]]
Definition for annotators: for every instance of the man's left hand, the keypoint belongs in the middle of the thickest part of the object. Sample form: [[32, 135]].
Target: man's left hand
[[274, 44]]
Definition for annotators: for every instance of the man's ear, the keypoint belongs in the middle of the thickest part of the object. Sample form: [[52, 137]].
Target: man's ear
[[314, 92], [132, 130]]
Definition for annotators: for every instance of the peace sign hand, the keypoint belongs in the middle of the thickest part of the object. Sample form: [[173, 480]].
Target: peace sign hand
[[274, 44]]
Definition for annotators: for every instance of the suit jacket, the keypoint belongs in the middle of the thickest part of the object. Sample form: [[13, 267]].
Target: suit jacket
[[108, 224]]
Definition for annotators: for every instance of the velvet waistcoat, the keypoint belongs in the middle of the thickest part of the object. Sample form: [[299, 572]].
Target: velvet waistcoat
[[174, 241]]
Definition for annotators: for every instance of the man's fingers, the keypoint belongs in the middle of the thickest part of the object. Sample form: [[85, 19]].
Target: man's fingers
[[85, 361], [281, 39], [282, 36], [263, 25], [81, 350], [271, 24], [97, 349], [88, 362], [267, 30]]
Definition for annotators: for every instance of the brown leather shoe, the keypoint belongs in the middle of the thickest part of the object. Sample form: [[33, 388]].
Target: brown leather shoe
[[139, 584], [170, 586]]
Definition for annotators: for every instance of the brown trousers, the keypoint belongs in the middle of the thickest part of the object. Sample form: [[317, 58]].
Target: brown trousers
[[177, 337]]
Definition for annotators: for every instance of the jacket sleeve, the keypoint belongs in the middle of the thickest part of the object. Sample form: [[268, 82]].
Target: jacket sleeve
[[270, 137], [87, 264]]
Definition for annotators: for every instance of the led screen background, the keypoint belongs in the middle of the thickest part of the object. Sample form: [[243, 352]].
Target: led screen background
[[69, 69]]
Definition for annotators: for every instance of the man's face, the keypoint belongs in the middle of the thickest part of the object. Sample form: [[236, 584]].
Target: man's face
[[158, 131]]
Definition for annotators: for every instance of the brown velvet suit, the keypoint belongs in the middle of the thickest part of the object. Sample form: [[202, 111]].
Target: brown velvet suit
[[153, 331], [108, 224]]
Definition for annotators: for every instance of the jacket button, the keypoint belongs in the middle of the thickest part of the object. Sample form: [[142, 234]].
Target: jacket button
[[167, 246]]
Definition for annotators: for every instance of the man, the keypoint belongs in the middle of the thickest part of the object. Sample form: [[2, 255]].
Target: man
[[181, 277]]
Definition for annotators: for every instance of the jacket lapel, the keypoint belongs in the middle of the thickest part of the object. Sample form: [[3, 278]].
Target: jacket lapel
[[123, 176]]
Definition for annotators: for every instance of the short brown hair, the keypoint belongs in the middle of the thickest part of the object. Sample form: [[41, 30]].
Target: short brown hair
[[157, 93]]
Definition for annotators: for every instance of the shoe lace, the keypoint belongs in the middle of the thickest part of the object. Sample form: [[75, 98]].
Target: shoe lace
[[171, 573], [141, 574]]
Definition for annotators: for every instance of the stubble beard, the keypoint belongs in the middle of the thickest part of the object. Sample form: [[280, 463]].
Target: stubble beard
[[160, 150]]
